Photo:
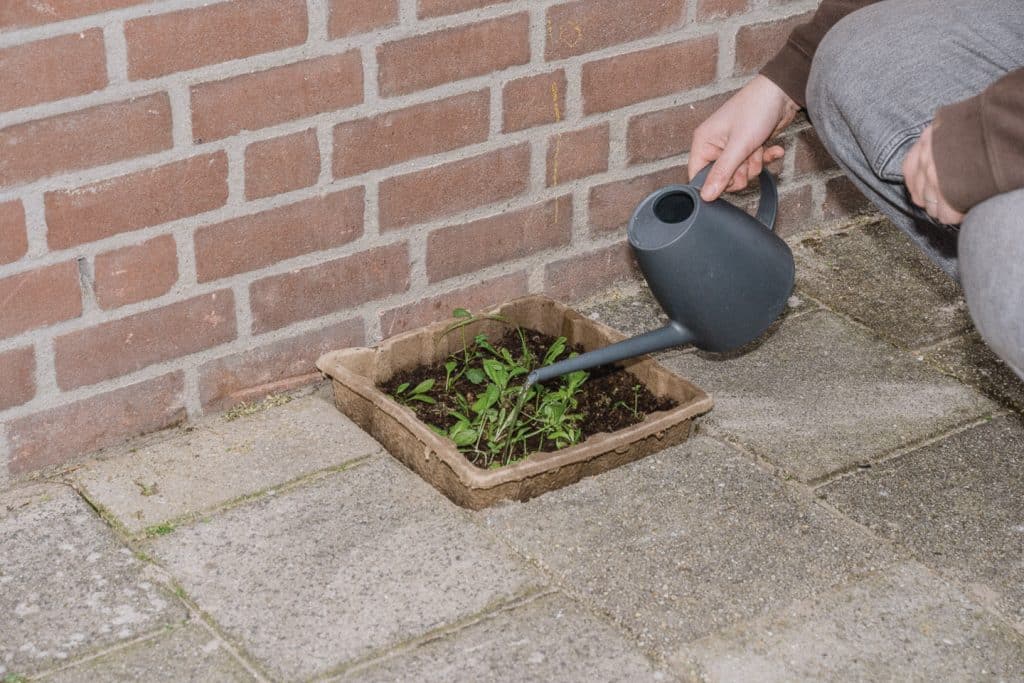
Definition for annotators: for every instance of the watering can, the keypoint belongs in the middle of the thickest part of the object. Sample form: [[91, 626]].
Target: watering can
[[721, 275]]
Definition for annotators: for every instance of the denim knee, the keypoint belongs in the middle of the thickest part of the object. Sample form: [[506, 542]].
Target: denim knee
[[992, 273]]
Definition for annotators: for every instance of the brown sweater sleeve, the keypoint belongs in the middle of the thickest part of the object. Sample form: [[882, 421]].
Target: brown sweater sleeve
[[790, 68], [978, 144]]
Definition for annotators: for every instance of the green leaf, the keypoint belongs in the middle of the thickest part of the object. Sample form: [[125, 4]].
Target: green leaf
[[497, 372], [461, 313], [488, 399], [475, 375], [423, 387], [400, 389], [458, 416], [556, 350], [424, 398], [450, 366]]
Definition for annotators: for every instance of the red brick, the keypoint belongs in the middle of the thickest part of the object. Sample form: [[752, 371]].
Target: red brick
[[118, 347], [577, 154], [266, 98], [757, 43], [13, 235], [612, 204], [326, 288], [612, 83], [475, 297], [508, 236], [137, 200], [89, 137], [450, 188], [262, 239], [588, 25], [424, 61], [533, 101], [175, 41], [349, 17], [52, 69], [136, 273], [437, 8], [55, 436], [282, 164], [19, 13], [39, 297], [717, 9], [843, 199], [17, 377], [667, 132], [811, 155], [279, 366], [417, 131], [581, 275], [796, 207]]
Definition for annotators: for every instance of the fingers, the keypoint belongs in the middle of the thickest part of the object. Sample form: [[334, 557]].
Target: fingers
[[921, 177], [721, 175]]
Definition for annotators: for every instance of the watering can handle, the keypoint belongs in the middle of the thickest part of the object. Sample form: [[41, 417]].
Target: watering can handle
[[769, 205]]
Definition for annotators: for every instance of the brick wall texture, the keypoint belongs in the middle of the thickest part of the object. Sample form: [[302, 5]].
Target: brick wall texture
[[198, 197]]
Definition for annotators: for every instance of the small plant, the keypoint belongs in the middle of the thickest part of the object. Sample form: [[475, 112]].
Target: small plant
[[490, 416], [405, 396]]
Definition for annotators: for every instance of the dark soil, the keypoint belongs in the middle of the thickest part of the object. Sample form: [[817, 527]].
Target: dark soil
[[611, 398]]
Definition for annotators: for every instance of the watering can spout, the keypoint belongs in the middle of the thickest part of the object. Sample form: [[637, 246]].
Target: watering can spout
[[671, 335]]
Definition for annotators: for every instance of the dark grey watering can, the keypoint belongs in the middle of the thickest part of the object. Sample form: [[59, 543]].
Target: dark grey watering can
[[721, 275]]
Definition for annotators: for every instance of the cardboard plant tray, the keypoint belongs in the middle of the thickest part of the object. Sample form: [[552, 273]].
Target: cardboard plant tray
[[356, 372]]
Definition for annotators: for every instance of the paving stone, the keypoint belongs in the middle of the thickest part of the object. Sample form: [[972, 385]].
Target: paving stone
[[221, 460], [336, 569], [956, 504], [549, 639], [685, 542], [67, 585], [820, 396], [901, 625], [878, 277], [970, 360], [189, 653]]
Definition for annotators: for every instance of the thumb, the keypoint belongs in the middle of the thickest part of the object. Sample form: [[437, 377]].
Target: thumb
[[722, 172]]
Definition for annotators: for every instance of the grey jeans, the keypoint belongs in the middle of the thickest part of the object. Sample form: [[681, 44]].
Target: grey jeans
[[877, 79]]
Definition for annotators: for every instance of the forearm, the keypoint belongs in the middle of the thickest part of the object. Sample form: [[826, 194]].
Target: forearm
[[790, 68], [979, 143]]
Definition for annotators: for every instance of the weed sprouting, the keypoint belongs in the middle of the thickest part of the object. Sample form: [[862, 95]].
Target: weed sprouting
[[489, 425]]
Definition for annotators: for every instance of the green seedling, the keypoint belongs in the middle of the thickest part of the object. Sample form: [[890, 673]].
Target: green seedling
[[405, 396]]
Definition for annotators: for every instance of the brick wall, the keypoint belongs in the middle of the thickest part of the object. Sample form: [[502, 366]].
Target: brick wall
[[197, 198]]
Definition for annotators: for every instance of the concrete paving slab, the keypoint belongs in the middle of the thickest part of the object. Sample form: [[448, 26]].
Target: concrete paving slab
[[189, 653], [956, 504], [970, 360], [900, 625], [336, 569], [820, 396], [876, 276], [685, 542], [67, 585], [548, 639], [221, 460]]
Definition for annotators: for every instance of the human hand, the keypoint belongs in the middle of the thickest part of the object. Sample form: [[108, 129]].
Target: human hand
[[734, 136], [923, 181]]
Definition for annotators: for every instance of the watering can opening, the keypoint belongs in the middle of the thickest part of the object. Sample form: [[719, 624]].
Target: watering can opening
[[721, 275]]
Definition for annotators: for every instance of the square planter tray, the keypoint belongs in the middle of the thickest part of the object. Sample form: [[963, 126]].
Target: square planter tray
[[356, 372]]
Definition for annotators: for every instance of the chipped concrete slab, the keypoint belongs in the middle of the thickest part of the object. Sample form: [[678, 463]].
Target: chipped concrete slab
[[548, 639], [341, 567], [820, 396], [189, 653], [878, 277], [67, 584], [685, 542], [900, 625], [221, 460], [970, 360], [956, 504]]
